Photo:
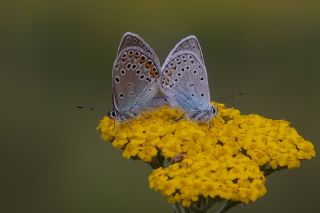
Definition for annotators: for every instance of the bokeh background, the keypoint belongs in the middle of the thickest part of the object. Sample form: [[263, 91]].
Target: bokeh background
[[56, 55]]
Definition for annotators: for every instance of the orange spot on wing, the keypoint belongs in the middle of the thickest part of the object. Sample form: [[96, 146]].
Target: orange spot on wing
[[154, 72], [149, 64]]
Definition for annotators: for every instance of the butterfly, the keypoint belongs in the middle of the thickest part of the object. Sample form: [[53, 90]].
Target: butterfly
[[183, 77], [134, 77], [184, 80]]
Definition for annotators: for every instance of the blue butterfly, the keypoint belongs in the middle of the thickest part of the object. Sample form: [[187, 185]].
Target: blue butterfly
[[134, 77], [184, 80]]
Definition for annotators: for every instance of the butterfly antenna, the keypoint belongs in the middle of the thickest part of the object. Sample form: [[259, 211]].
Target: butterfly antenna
[[91, 107], [238, 95]]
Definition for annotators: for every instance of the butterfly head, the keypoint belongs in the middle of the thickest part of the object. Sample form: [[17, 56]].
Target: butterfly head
[[116, 115], [203, 116]]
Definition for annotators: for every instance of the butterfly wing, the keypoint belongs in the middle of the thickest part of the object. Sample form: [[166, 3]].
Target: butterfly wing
[[134, 75], [189, 43], [184, 80], [133, 40]]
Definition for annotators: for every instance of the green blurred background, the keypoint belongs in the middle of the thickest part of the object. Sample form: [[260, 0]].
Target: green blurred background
[[56, 55]]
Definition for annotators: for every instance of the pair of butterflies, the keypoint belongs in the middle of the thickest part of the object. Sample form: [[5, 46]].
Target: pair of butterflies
[[137, 78]]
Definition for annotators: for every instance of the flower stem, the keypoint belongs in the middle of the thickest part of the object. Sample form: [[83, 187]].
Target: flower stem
[[178, 208], [229, 204], [202, 206]]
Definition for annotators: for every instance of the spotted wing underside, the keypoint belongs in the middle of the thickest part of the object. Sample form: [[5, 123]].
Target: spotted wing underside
[[134, 74]]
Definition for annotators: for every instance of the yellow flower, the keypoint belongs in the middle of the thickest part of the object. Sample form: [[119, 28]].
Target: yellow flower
[[234, 178], [108, 128], [226, 158], [264, 140]]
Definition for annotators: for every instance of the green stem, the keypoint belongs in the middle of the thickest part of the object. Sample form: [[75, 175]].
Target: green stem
[[199, 206], [157, 161], [270, 171], [202, 206], [178, 208], [229, 204], [211, 202]]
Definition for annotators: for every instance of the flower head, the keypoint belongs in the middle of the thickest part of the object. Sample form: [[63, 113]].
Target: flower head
[[230, 177], [225, 158]]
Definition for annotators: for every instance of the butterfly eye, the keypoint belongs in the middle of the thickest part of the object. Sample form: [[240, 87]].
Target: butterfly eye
[[142, 59], [187, 67], [202, 94], [121, 95], [195, 71], [138, 72], [178, 61], [202, 78], [128, 66], [134, 66], [184, 59], [141, 76], [123, 72]]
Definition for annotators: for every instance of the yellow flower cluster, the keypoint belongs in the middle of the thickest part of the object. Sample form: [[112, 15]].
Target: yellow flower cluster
[[264, 140], [218, 159], [269, 141], [232, 178]]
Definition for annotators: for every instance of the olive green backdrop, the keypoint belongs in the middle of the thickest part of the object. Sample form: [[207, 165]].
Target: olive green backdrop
[[56, 55]]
